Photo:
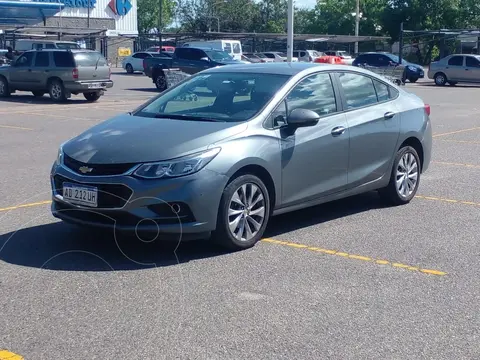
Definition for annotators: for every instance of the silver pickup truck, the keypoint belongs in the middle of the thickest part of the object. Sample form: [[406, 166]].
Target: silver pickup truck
[[60, 73]]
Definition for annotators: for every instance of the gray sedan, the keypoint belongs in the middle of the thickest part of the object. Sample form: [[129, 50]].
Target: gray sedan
[[220, 153], [455, 68]]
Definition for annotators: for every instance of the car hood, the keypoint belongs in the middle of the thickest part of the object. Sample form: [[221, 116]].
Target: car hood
[[134, 139], [228, 62]]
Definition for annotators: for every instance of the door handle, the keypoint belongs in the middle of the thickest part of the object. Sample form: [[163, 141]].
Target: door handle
[[389, 115], [337, 131]]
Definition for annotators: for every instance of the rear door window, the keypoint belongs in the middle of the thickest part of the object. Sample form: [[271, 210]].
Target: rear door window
[[63, 59], [90, 59], [42, 59], [358, 89], [382, 91]]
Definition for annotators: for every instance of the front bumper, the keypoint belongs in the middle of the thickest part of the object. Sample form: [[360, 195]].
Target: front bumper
[[85, 86], [126, 203]]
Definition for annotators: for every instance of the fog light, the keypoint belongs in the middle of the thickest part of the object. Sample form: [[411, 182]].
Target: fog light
[[176, 208]]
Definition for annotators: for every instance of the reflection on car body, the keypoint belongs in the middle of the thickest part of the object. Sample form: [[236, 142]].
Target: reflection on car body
[[220, 166]]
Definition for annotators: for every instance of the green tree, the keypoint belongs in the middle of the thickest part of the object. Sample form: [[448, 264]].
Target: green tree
[[148, 14]]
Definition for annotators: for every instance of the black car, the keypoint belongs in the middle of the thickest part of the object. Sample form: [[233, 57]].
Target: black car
[[381, 59]]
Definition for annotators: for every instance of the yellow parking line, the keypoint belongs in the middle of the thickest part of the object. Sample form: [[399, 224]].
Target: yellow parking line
[[7, 355], [456, 164], [456, 132], [25, 205], [436, 198], [355, 257], [460, 141], [15, 127]]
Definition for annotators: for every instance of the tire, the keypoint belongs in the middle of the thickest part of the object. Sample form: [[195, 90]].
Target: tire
[[38, 93], [57, 91], [413, 80], [161, 82], [92, 96], [403, 193], [238, 238], [440, 79], [129, 68], [4, 87]]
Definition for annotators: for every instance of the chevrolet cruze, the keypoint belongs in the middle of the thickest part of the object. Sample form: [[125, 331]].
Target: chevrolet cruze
[[221, 152]]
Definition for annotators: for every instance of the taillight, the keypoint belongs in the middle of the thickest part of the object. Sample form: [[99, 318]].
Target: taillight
[[75, 73], [427, 109]]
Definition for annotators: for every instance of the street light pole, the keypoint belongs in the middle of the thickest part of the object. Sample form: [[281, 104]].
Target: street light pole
[[290, 31], [357, 24], [160, 25]]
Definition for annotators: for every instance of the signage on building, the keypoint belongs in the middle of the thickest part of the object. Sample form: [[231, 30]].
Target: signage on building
[[74, 3], [122, 51], [120, 7]]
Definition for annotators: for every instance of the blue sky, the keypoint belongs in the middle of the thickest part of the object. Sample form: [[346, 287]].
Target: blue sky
[[305, 3]]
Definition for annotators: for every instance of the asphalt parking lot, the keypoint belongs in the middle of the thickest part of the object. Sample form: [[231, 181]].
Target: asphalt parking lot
[[347, 280]]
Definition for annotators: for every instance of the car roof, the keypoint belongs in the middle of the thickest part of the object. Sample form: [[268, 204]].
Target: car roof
[[280, 68], [64, 50]]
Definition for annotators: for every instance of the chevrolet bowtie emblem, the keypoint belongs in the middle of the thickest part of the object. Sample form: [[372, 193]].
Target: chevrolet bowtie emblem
[[85, 169]]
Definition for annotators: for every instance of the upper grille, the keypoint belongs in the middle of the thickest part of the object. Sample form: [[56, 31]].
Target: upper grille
[[97, 169]]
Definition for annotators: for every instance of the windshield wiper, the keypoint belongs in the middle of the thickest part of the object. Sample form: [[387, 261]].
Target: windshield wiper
[[186, 117]]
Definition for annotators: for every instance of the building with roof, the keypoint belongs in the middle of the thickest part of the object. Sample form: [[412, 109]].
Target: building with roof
[[105, 25]]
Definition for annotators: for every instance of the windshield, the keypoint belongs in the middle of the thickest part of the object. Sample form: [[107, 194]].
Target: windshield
[[396, 59], [67, 46], [218, 55], [225, 97], [91, 59], [282, 54], [261, 56]]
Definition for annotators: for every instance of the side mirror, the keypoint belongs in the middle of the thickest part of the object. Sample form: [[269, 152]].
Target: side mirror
[[302, 118], [205, 59]]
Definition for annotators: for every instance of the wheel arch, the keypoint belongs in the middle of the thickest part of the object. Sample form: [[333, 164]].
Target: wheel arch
[[259, 171], [417, 145]]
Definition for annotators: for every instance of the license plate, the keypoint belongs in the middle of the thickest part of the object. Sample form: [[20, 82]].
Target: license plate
[[80, 194], [95, 86]]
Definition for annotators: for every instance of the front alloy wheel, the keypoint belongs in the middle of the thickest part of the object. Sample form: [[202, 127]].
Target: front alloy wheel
[[243, 214], [246, 212], [4, 90]]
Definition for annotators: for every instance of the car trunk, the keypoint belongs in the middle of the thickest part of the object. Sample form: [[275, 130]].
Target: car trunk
[[91, 66]]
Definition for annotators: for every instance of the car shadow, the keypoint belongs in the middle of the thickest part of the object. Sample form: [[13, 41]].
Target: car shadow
[[432, 84], [43, 100], [152, 89], [61, 247], [319, 214]]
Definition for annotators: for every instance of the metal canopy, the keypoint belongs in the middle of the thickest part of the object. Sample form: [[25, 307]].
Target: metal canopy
[[279, 37], [27, 12]]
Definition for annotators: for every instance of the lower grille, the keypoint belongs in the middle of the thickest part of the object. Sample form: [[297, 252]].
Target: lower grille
[[109, 195]]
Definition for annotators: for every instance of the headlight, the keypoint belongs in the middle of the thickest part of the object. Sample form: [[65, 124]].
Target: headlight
[[412, 68], [59, 156], [177, 167]]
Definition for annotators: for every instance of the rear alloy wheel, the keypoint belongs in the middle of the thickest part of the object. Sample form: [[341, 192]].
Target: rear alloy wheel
[[440, 79], [92, 96], [243, 214], [405, 177], [129, 68], [4, 88], [38, 93], [57, 91]]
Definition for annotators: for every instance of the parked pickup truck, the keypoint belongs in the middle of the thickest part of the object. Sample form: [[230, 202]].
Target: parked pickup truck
[[189, 60]]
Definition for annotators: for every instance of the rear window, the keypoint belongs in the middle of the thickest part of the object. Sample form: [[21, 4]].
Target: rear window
[[63, 59], [91, 59], [67, 46]]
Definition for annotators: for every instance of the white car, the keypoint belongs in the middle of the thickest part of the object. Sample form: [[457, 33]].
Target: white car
[[134, 62], [278, 56], [307, 55]]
